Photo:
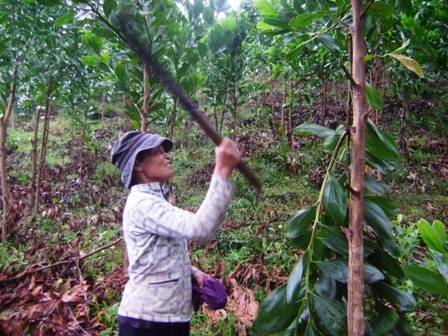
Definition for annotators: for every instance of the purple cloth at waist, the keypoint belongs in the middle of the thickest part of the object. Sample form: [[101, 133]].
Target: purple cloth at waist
[[213, 293]]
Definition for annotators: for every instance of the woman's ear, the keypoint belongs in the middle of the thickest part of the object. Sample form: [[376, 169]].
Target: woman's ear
[[137, 166]]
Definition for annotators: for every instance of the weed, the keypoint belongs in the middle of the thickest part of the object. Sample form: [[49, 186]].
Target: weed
[[46, 226], [406, 235], [202, 325], [106, 170], [108, 315], [12, 258]]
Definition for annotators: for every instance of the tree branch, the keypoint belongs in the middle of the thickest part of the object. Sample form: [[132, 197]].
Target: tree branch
[[63, 262]]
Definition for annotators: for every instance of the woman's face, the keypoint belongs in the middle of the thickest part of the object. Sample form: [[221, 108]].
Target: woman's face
[[153, 165]]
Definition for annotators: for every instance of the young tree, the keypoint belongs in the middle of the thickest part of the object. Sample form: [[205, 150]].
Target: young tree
[[13, 51], [325, 292]]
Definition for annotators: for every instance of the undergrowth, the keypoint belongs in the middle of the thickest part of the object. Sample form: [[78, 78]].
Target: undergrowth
[[86, 215]]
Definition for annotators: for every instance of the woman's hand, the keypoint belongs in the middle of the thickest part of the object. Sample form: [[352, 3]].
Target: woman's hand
[[199, 277], [227, 157]]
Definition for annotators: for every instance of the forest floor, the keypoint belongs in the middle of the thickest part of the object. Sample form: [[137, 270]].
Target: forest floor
[[62, 270]]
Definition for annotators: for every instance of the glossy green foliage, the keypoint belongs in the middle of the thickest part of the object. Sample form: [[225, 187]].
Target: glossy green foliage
[[320, 230], [432, 281], [335, 201]]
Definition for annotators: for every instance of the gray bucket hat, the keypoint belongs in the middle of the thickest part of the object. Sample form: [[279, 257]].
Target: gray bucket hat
[[127, 147]]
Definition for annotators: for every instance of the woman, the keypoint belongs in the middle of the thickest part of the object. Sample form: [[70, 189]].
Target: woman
[[157, 296]]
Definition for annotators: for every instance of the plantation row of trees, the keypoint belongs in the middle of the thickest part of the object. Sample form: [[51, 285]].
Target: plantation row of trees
[[76, 57]]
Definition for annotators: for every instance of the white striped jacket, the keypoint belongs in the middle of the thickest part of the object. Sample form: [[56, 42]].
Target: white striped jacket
[[156, 234]]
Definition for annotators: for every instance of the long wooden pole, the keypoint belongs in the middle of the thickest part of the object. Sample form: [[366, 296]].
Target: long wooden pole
[[144, 53], [187, 103]]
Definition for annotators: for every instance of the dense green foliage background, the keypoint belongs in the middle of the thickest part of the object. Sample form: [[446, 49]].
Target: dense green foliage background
[[260, 74]]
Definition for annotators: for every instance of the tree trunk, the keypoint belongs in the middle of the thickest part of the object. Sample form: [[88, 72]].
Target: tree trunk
[[33, 158], [234, 106], [271, 96], [404, 119], [355, 305], [323, 104], [43, 149], [282, 116], [146, 93], [4, 118], [102, 108], [290, 115]]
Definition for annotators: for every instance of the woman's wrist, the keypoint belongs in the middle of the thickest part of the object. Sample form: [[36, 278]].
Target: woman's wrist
[[223, 172]]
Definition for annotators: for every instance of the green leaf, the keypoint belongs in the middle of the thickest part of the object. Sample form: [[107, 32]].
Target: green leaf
[[50, 3], [408, 63], [104, 33], [300, 222], [306, 19], [377, 219], [329, 42], [439, 227], [295, 279], [330, 142], [335, 239], [303, 241], [120, 72], [294, 53], [262, 25], [375, 186], [441, 262], [108, 6], [209, 15], [104, 58], [372, 274], [330, 315], [274, 313], [426, 279], [334, 200], [326, 286], [381, 150], [430, 236], [64, 19], [379, 9], [385, 321], [402, 47], [374, 97], [398, 298], [89, 60], [314, 129], [369, 57], [342, 5], [385, 203], [276, 23], [386, 263], [266, 9], [198, 8], [338, 270]]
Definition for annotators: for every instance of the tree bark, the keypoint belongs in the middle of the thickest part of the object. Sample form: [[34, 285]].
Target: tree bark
[[355, 306], [282, 116], [102, 108], [290, 114], [4, 119], [404, 118], [43, 149], [33, 157], [323, 100], [271, 96]]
